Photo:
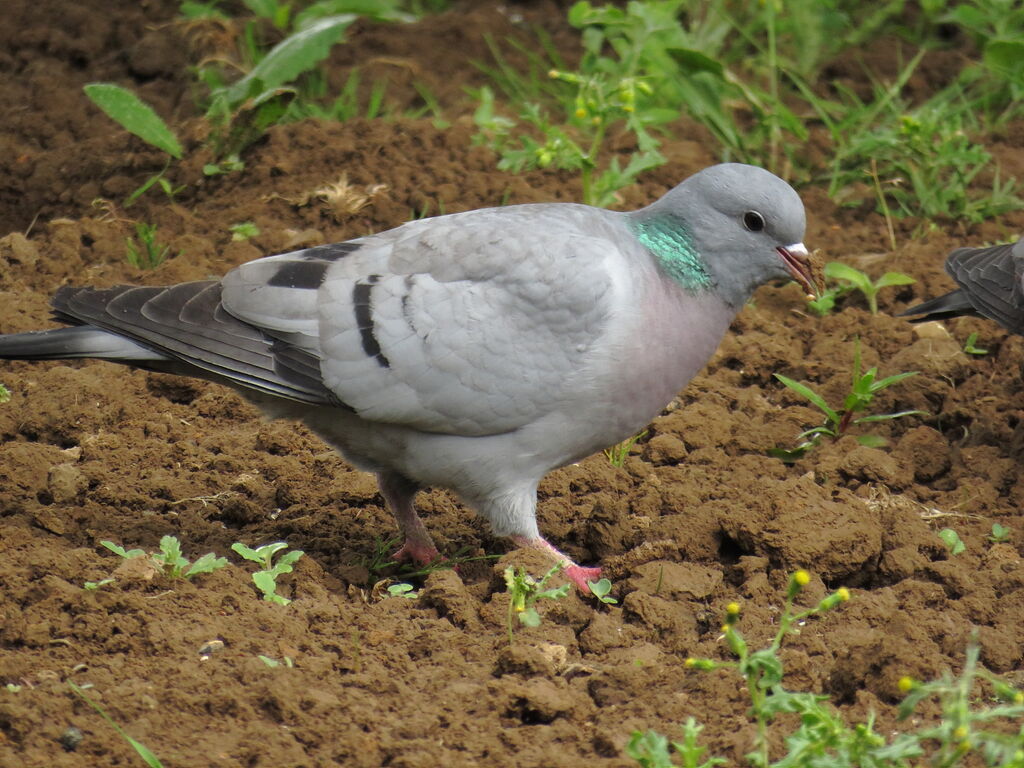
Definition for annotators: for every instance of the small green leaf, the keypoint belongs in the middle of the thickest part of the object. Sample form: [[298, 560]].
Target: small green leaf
[[692, 61], [809, 394], [208, 563], [872, 441], [134, 115], [836, 270], [894, 278], [119, 550], [291, 57], [952, 540]]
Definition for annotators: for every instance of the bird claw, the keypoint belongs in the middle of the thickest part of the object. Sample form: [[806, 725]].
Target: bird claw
[[580, 575], [419, 554]]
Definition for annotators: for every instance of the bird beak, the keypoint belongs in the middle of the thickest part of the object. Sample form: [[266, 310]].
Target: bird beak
[[798, 262]]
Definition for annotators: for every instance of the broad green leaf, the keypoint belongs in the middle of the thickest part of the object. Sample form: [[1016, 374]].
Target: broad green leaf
[[265, 583], [134, 115], [804, 391], [291, 57], [1006, 56], [952, 540], [249, 554], [208, 563], [119, 550], [894, 278], [691, 61], [836, 270], [284, 565]]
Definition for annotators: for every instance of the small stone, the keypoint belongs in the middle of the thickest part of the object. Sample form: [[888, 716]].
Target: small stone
[[70, 738], [211, 647]]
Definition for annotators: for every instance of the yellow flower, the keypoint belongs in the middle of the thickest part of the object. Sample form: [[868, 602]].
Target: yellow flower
[[581, 112], [802, 577], [732, 609], [960, 733], [843, 593], [690, 662], [906, 684]]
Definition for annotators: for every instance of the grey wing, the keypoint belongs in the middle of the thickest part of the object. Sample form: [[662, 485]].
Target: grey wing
[[191, 334], [469, 324], [991, 279]]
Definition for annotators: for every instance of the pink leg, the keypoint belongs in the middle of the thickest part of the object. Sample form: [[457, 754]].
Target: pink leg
[[399, 493], [577, 574]]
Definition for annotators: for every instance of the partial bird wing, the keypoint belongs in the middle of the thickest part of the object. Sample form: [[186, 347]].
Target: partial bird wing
[[468, 324], [181, 329], [991, 279]]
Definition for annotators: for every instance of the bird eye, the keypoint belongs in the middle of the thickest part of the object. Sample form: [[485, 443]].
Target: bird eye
[[753, 221]]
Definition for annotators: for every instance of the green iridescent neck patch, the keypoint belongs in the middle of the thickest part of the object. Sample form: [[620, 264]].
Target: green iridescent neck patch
[[667, 238]]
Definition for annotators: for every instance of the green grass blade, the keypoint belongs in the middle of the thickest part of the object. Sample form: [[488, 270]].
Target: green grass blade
[[809, 394], [888, 416], [134, 115], [890, 380], [147, 757]]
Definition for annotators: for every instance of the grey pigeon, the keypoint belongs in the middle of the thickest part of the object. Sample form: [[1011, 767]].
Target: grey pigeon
[[475, 351], [991, 284]]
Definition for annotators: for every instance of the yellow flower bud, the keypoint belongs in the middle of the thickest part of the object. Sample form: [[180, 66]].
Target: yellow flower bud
[[690, 662], [1018, 697], [581, 112], [802, 577], [732, 609], [960, 733], [553, 73], [843, 593], [906, 684]]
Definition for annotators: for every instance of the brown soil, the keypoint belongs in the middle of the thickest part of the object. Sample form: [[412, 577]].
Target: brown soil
[[699, 516]]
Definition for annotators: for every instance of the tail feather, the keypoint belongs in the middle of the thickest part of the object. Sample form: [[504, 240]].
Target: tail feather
[[953, 304], [75, 342]]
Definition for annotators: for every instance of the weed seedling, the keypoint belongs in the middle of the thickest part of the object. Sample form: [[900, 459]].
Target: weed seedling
[[822, 738], [651, 749], [1000, 534], [403, 590], [5, 394], [266, 579], [147, 757], [857, 280], [138, 118], [601, 589], [244, 230], [170, 560], [94, 585], [837, 422], [274, 663], [970, 348], [151, 253], [524, 592], [952, 540], [762, 669], [619, 452]]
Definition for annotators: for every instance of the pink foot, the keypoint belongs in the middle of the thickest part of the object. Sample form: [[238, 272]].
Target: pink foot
[[580, 575], [420, 554], [577, 574]]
